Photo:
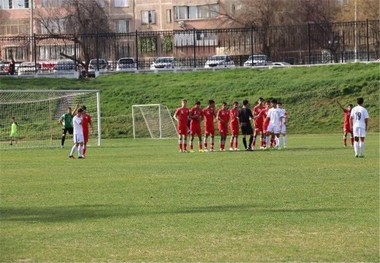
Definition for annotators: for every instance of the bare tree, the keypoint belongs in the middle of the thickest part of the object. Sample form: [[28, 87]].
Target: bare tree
[[83, 23]]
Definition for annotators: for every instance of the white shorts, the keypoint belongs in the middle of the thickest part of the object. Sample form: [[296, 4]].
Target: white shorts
[[78, 138], [273, 128], [359, 132]]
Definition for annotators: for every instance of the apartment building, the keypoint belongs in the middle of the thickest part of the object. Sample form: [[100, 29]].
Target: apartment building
[[23, 18]]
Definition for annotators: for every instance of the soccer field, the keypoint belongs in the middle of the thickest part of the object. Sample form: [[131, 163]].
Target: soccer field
[[141, 200]]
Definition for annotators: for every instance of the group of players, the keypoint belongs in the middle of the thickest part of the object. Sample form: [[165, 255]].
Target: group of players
[[266, 119], [77, 123]]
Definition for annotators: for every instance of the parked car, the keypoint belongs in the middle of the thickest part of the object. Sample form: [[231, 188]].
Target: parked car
[[280, 64], [126, 64], [163, 63], [97, 64], [219, 61], [257, 60], [28, 68], [65, 66]]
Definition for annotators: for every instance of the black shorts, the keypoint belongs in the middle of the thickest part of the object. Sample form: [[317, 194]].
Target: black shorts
[[67, 130], [246, 129]]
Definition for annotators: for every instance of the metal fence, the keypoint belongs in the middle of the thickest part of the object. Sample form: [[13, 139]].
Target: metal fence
[[302, 44]]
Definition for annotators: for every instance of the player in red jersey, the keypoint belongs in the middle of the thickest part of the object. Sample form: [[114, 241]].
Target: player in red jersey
[[234, 126], [223, 117], [264, 113], [346, 124], [209, 115], [258, 112], [195, 115], [181, 115], [86, 123]]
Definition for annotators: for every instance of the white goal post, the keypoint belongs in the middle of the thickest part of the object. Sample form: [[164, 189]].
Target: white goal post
[[37, 113], [152, 120]]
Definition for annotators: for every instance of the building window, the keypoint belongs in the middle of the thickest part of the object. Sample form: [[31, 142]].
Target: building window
[[169, 18], [14, 4], [148, 17], [122, 26], [53, 26], [121, 3], [196, 12]]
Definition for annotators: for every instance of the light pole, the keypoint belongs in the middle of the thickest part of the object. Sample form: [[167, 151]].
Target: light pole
[[31, 30], [356, 37]]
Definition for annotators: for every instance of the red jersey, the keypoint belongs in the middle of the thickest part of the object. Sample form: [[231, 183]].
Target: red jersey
[[263, 114], [209, 114], [346, 124], [257, 115], [86, 120], [223, 117], [182, 115], [234, 121], [195, 115], [234, 114]]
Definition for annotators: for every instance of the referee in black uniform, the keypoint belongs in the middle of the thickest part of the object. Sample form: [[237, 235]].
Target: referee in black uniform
[[245, 117]]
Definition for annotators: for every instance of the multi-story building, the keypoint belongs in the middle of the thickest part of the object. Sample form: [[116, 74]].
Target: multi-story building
[[23, 18]]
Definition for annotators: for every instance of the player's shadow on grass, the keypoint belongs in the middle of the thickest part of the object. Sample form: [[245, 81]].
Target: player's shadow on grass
[[93, 212]]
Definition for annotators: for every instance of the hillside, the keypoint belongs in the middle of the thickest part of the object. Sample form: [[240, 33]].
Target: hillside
[[308, 93]]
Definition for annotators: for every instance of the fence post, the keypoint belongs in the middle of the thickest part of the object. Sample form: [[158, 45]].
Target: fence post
[[137, 49], [309, 42], [35, 52], [367, 40], [194, 49], [252, 43]]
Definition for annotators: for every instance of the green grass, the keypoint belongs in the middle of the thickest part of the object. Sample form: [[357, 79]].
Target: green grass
[[308, 93], [141, 200]]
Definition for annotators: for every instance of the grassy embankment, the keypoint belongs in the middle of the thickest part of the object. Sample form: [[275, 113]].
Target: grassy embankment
[[308, 93]]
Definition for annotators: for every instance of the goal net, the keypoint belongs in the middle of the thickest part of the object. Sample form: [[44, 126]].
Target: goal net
[[37, 113], [152, 121]]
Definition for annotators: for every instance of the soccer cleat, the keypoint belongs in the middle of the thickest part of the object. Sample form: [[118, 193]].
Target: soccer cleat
[[201, 150], [237, 149], [231, 149], [356, 155], [81, 157], [71, 157], [192, 151], [211, 150], [361, 156], [205, 150]]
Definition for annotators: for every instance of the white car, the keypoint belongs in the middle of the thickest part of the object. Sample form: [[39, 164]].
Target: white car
[[256, 60], [28, 68], [163, 63], [100, 65], [280, 64], [126, 64], [219, 61]]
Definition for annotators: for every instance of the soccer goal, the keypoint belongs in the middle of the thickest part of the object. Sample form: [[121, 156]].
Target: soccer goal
[[37, 113], [152, 120]]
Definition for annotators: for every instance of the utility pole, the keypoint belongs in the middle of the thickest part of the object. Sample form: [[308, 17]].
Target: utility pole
[[31, 30]]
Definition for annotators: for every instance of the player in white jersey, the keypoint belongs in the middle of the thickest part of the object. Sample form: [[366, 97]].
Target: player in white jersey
[[274, 118], [359, 126], [77, 135], [283, 112]]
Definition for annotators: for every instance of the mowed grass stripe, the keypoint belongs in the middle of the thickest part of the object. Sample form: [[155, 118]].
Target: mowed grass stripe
[[141, 200]]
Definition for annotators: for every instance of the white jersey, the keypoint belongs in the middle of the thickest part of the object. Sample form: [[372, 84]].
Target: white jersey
[[275, 116], [282, 114], [358, 116], [77, 125]]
